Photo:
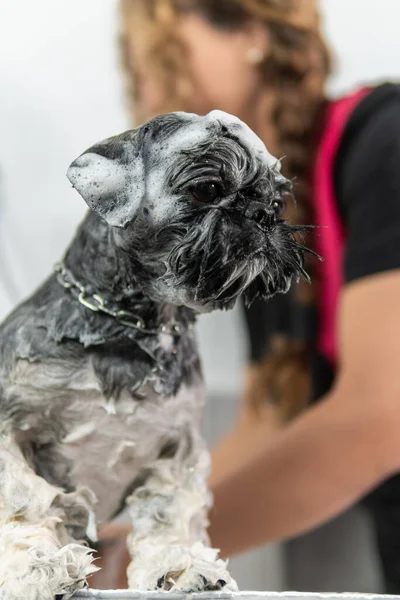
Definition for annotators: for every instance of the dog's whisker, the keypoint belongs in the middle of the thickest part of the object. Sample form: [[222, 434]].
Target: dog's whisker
[[307, 250]]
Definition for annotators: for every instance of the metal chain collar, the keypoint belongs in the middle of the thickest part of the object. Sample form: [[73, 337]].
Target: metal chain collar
[[97, 303]]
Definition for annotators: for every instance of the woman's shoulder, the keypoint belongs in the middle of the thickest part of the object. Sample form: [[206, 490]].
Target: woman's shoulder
[[374, 123], [367, 184]]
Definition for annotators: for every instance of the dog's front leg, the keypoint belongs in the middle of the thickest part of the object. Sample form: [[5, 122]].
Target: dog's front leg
[[169, 544], [39, 527]]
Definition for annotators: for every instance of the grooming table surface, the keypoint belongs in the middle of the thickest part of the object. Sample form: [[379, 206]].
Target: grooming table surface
[[132, 595]]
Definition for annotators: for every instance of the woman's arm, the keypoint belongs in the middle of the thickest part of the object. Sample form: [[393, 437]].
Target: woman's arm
[[327, 459]]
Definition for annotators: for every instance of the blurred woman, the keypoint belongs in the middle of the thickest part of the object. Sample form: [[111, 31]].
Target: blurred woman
[[319, 426]]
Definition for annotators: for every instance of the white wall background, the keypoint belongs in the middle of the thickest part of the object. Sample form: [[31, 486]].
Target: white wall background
[[60, 91]]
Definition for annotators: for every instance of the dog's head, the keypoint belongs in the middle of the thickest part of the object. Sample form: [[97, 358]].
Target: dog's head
[[195, 203]]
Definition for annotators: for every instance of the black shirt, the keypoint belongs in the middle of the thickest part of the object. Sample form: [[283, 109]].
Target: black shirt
[[367, 182]]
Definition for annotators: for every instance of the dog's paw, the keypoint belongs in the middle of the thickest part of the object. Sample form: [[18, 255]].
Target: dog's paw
[[36, 575], [178, 568], [190, 580]]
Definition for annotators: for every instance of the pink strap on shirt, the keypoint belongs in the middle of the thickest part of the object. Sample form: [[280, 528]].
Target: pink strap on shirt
[[330, 238]]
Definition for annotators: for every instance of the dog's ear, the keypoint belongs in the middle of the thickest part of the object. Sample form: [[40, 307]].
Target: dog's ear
[[110, 177]]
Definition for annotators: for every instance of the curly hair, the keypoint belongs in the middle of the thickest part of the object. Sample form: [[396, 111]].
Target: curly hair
[[297, 67]]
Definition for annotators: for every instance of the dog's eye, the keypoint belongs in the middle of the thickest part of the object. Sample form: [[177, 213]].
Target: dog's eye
[[277, 206], [206, 192]]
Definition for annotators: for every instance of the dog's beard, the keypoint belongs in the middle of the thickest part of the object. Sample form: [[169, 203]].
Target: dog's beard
[[214, 262]]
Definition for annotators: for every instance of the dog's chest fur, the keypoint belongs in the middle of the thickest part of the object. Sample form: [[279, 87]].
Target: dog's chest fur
[[80, 438], [111, 443], [93, 416]]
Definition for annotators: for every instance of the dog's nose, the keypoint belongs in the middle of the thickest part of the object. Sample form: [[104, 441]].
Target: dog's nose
[[260, 214]]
